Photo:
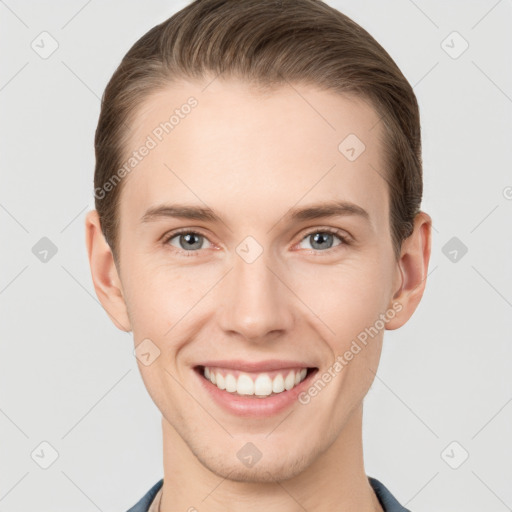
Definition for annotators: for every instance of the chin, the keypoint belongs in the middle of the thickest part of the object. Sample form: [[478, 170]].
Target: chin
[[264, 471]]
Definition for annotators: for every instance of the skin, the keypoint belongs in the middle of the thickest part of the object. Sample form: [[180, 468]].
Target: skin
[[251, 157]]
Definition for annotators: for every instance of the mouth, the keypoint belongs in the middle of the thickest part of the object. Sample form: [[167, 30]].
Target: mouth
[[254, 394], [263, 385]]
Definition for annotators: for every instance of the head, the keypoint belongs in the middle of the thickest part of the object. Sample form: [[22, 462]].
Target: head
[[250, 118]]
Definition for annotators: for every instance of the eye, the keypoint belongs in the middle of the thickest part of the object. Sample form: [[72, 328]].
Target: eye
[[322, 239], [187, 241]]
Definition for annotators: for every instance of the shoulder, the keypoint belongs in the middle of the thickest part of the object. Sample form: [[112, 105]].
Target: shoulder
[[387, 500], [143, 504]]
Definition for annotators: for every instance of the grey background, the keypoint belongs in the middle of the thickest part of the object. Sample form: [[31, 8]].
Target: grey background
[[68, 377]]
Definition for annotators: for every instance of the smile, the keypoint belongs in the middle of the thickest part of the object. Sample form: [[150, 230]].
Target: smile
[[260, 384], [254, 394]]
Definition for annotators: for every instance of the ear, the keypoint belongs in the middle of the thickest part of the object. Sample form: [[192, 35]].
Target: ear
[[412, 269], [104, 273]]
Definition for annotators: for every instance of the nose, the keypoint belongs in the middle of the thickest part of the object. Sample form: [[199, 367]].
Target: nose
[[255, 302]]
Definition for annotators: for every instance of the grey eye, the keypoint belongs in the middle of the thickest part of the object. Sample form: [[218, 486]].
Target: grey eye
[[188, 241], [321, 240]]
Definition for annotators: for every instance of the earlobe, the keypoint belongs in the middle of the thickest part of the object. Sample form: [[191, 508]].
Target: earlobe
[[413, 267], [104, 273]]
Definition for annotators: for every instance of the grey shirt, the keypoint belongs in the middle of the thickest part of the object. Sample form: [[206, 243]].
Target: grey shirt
[[387, 500]]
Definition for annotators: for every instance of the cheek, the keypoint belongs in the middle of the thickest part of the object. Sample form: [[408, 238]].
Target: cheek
[[347, 297], [159, 296]]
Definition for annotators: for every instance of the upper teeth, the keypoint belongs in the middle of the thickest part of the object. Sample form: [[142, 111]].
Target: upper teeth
[[260, 384]]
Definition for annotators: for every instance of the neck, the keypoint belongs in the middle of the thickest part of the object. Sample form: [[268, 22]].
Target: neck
[[334, 481]]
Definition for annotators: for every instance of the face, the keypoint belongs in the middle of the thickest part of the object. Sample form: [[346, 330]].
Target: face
[[256, 281]]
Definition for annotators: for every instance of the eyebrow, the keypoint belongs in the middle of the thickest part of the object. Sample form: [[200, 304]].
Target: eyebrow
[[312, 212]]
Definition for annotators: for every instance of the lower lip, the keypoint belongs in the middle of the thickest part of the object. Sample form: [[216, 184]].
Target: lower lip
[[251, 405]]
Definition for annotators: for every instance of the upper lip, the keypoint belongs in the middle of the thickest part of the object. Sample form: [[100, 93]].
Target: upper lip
[[253, 366]]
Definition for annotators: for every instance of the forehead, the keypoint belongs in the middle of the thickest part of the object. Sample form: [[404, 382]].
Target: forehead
[[215, 143]]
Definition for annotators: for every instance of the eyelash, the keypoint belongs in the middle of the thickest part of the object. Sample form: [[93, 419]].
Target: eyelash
[[344, 240]]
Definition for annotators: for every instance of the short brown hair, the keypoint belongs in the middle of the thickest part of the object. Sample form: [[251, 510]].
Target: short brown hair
[[265, 43]]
